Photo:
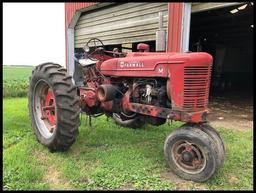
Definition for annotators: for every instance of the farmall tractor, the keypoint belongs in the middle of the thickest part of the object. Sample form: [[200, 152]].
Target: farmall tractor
[[135, 89]]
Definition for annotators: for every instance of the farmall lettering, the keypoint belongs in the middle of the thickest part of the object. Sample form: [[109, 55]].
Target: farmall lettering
[[134, 64]]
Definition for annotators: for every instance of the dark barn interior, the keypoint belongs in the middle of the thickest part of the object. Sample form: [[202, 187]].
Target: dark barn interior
[[228, 37]]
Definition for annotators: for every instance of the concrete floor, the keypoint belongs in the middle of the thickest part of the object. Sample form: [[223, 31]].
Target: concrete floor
[[232, 110]]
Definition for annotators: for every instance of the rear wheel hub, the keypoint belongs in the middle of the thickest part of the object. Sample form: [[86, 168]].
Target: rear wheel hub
[[48, 106], [45, 109]]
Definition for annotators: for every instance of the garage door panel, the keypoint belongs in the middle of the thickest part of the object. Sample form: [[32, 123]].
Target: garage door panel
[[138, 21], [140, 25], [151, 23], [124, 35], [117, 41], [109, 11], [120, 11], [137, 15], [121, 28], [123, 32]]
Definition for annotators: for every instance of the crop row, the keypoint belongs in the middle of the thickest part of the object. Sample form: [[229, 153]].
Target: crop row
[[15, 88]]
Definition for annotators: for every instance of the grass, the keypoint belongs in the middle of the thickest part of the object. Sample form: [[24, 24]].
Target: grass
[[15, 81], [110, 157]]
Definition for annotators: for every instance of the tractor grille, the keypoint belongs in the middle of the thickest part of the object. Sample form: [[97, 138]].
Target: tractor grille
[[196, 87]]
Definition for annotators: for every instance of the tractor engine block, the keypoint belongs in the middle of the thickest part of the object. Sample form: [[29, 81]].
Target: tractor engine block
[[151, 92]]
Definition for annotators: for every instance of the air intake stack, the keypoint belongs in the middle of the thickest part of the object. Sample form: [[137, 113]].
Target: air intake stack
[[160, 35]]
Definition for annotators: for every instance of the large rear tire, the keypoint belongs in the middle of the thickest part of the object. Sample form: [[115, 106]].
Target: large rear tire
[[53, 107]]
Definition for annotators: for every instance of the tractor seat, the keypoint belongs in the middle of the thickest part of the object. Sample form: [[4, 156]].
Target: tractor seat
[[86, 62], [141, 47]]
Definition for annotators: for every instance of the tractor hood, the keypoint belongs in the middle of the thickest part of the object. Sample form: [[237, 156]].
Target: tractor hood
[[137, 62]]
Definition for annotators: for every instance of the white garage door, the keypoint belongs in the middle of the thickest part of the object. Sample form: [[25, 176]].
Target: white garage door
[[120, 23]]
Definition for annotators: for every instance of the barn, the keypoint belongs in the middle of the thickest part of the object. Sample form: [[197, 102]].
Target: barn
[[223, 29]]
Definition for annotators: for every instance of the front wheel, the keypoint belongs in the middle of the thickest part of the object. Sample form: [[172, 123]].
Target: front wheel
[[53, 107], [191, 154], [220, 147]]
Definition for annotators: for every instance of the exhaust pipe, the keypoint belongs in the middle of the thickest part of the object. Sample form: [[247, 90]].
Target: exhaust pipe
[[160, 35], [106, 92]]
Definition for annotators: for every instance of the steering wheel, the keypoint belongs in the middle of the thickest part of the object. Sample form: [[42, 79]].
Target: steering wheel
[[96, 46]]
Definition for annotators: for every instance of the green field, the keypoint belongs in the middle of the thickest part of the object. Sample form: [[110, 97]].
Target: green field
[[109, 157], [15, 81]]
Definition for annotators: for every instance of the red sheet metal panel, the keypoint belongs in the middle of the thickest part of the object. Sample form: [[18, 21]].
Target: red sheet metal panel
[[175, 14], [70, 9]]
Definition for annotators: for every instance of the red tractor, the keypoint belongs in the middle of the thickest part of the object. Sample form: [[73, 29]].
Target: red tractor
[[135, 89]]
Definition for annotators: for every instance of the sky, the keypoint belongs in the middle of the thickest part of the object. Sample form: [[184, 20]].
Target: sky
[[33, 33]]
